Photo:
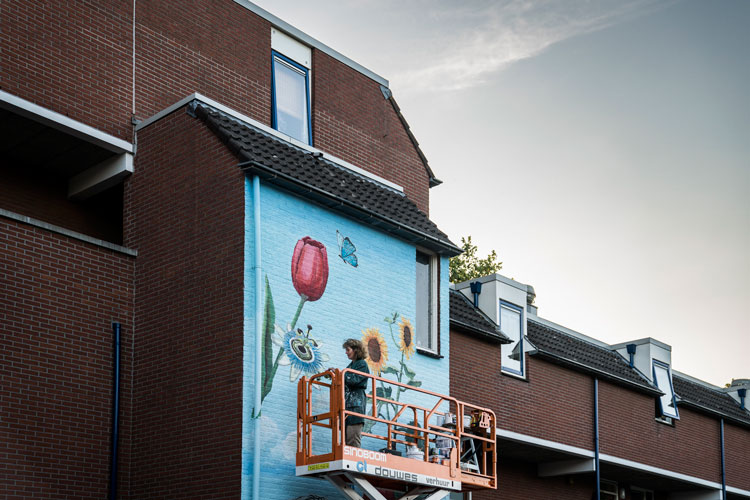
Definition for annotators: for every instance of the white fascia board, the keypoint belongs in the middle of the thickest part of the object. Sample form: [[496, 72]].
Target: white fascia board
[[100, 177], [61, 122], [566, 467], [581, 452], [543, 443], [738, 491], [268, 130], [658, 471], [696, 495], [308, 40]]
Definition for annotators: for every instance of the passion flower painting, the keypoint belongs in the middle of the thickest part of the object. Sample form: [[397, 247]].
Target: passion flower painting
[[298, 348]]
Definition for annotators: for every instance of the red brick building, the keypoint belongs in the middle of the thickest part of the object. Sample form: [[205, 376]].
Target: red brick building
[[572, 410], [120, 209]]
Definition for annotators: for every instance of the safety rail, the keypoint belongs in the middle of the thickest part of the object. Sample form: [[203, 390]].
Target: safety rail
[[449, 443]]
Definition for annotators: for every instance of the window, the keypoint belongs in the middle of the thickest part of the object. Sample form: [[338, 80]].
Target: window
[[511, 324], [608, 490], [639, 494], [427, 294], [663, 380], [291, 98]]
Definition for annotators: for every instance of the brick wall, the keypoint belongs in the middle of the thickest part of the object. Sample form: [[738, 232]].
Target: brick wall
[[58, 299], [737, 455], [352, 119], [78, 60], [74, 59], [553, 403], [185, 211], [628, 430]]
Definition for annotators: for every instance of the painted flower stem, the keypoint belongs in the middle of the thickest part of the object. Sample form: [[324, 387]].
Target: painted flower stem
[[302, 301]]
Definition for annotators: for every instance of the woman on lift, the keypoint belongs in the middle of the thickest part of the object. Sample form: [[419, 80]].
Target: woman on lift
[[354, 390]]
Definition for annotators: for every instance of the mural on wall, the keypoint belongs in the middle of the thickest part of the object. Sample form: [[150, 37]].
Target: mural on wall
[[377, 349], [346, 249], [304, 354], [298, 349]]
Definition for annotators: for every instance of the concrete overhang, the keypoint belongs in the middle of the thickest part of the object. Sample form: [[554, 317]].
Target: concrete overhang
[[52, 145]]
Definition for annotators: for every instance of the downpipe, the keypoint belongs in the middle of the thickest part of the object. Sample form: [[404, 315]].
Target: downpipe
[[115, 412], [258, 336]]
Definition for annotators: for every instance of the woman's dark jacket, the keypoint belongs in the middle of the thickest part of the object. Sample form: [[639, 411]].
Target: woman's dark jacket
[[355, 386]]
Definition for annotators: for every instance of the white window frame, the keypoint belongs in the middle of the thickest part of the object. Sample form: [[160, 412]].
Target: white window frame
[[503, 349], [433, 330], [669, 393], [279, 59]]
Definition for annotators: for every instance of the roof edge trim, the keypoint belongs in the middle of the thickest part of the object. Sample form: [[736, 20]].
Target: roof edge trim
[[58, 121], [307, 39], [236, 115], [254, 165], [497, 339], [584, 453]]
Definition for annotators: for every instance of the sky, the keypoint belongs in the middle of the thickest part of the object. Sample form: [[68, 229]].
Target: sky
[[602, 148]]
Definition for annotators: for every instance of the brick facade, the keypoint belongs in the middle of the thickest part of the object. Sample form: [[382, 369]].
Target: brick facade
[[562, 412], [185, 217], [59, 298], [691, 446], [78, 61], [555, 403]]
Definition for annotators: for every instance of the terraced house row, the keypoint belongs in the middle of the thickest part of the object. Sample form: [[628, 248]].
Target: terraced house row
[[199, 204]]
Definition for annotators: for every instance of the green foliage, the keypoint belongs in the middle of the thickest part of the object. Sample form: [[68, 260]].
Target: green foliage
[[468, 266]]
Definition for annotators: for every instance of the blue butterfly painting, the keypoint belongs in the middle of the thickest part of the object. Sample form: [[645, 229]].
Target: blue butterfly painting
[[347, 249]]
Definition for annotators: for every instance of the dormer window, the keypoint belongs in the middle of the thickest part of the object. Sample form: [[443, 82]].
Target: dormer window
[[511, 318], [663, 380], [290, 73]]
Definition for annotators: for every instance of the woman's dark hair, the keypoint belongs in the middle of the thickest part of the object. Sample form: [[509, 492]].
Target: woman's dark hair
[[357, 346]]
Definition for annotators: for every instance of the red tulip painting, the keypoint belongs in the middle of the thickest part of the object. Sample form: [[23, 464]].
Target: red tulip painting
[[310, 268], [309, 277]]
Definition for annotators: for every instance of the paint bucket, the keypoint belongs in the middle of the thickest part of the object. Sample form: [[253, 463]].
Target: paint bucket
[[414, 452]]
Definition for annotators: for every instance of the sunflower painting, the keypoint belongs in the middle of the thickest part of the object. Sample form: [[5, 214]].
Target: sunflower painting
[[406, 341], [377, 349]]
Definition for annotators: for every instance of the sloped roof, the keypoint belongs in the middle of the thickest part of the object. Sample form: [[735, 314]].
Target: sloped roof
[[579, 354], [565, 349], [464, 316], [327, 183], [702, 397]]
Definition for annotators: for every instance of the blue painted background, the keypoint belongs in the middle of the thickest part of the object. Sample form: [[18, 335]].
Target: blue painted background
[[355, 299]]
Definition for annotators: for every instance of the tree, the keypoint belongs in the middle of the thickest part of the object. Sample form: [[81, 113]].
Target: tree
[[468, 266]]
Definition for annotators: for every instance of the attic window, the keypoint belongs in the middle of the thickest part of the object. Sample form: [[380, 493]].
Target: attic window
[[290, 86], [663, 380], [291, 98], [511, 325]]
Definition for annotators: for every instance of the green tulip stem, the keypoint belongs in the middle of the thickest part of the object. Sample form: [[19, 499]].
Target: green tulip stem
[[302, 300]]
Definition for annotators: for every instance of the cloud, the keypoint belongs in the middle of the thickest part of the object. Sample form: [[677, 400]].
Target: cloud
[[478, 40]]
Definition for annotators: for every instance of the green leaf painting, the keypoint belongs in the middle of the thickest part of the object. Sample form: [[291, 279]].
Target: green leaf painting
[[269, 320]]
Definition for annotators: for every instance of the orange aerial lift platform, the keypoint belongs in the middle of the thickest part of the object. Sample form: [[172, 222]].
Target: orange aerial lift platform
[[415, 442]]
